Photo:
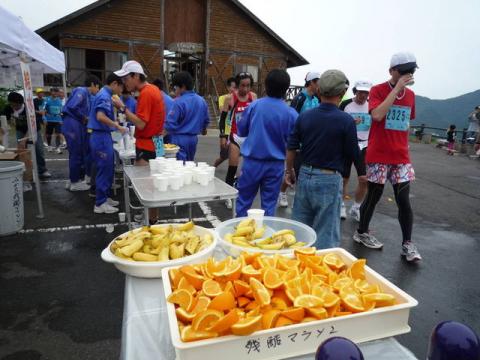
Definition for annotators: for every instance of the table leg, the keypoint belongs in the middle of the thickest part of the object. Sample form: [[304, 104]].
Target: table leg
[[126, 197], [234, 208], [146, 217], [190, 211]]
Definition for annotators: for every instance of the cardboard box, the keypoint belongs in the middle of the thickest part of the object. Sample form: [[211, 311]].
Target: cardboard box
[[22, 155]]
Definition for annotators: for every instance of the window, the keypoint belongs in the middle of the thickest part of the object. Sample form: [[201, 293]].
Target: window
[[252, 69]]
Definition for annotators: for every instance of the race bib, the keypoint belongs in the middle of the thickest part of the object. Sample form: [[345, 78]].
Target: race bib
[[398, 118], [158, 142], [366, 122]]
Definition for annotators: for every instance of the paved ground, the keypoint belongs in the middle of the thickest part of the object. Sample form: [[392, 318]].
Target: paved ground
[[58, 300]]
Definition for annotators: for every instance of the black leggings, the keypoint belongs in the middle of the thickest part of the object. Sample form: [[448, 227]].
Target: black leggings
[[53, 126], [402, 197]]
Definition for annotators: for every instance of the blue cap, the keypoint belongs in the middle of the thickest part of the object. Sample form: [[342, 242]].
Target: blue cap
[[338, 348], [451, 340]]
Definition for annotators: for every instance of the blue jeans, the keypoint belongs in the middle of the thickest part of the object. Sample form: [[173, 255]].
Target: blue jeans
[[318, 197], [263, 174]]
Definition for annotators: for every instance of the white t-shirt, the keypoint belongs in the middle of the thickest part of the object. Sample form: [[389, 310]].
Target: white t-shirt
[[352, 107]]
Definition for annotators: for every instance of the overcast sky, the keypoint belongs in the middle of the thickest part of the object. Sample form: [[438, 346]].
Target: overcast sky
[[356, 36]]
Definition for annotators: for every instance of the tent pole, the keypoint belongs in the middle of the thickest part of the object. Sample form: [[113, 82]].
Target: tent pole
[[64, 80], [36, 180]]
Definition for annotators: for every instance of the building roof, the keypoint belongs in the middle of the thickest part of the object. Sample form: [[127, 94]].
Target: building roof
[[294, 58]]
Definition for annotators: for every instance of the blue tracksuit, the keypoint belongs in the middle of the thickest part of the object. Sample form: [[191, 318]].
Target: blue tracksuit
[[74, 129], [187, 118], [101, 144], [266, 123]]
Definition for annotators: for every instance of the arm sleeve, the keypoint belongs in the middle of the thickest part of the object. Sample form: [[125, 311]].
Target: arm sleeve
[[221, 124], [294, 138], [243, 126], [104, 105], [206, 115], [374, 99], [173, 118], [77, 105], [351, 142]]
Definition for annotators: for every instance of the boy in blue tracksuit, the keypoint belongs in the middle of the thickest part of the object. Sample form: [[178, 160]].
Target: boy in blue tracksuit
[[101, 123], [266, 123], [187, 118], [75, 117]]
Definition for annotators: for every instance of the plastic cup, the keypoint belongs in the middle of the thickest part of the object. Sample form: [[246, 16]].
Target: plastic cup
[[175, 182], [132, 130], [121, 217], [211, 173], [190, 164], [257, 215], [202, 164], [161, 183], [202, 178], [187, 177]]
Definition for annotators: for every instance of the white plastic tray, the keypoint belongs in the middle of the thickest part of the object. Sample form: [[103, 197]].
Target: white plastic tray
[[300, 339], [153, 269]]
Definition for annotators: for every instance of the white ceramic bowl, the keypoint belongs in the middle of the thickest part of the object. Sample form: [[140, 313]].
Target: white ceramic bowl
[[153, 269], [303, 233]]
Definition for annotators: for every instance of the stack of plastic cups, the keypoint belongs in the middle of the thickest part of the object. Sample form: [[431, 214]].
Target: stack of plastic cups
[[161, 182]]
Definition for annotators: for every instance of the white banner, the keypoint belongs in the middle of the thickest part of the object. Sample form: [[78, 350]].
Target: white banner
[[28, 95]]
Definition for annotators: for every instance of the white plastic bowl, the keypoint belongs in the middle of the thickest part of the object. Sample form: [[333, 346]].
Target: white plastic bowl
[[153, 269], [303, 233]]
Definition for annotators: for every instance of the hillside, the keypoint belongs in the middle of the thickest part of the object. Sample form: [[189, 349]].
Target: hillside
[[442, 113]]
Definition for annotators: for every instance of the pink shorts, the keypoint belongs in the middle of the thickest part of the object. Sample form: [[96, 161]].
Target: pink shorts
[[396, 174], [451, 146]]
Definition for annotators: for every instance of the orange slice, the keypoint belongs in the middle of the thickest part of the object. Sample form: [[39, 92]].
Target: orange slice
[[211, 288], [182, 298], [308, 301], [352, 302], [231, 272], [333, 261], [309, 319], [184, 316], [206, 319], [380, 299], [305, 251], [294, 314], [184, 284], [247, 326], [278, 303], [280, 293], [243, 301], [226, 322], [291, 274], [339, 284], [357, 270], [283, 321], [293, 293], [175, 277], [192, 276], [224, 301], [269, 318], [201, 304], [287, 264], [249, 258], [318, 312], [251, 305], [271, 279], [260, 292], [189, 334], [249, 271], [241, 287]]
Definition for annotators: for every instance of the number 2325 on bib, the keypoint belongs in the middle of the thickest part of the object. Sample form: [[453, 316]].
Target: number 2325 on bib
[[398, 118]]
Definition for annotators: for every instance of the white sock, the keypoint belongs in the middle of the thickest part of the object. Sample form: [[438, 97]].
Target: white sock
[[283, 193], [356, 205]]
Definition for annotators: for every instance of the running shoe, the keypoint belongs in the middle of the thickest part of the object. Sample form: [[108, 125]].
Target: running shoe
[[343, 211], [355, 213], [367, 240], [45, 175], [59, 150], [283, 200], [228, 203], [50, 149], [105, 209], [45, 145], [63, 146], [112, 202], [410, 251], [87, 179], [138, 218], [79, 186]]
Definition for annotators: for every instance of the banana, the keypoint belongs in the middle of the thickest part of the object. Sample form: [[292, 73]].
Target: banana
[[163, 255], [228, 237], [244, 230], [283, 232], [158, 229], [192, 244], [298, 245], [258, 234], [146, 249], [177, 251], [289, 239], [138, 256], [265, 241], [239, 242], [276, 246], [239, 238], [132, 248], [185, 227], [246, 222]]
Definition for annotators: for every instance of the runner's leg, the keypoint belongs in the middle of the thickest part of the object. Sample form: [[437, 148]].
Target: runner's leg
[[374, 194], [405, 213], [233, 160]]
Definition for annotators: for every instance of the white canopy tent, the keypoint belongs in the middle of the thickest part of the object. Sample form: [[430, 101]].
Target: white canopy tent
[[19, 44]]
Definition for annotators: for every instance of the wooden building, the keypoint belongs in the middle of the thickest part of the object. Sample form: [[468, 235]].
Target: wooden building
[[212, 39]]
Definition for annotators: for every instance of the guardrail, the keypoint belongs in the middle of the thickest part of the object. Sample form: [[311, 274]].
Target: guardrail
[[440, 133]]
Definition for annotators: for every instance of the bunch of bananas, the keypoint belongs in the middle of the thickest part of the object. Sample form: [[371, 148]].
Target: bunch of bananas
[[248, 235], [160, 243]]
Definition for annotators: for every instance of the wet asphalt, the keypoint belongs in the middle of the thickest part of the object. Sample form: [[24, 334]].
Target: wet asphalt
[[59, 300]]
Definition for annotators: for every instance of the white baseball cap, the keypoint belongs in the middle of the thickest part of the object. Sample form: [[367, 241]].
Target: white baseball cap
[[312, 75], [363, 85], [128, 67], [405, 58]]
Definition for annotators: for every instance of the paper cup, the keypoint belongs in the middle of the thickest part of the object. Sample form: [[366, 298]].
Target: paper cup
[[211, 173], [190, 164], [161, 183], [202, 178], [175, 182], [257, 215], [121, 217], [202, 164], [187, 177]]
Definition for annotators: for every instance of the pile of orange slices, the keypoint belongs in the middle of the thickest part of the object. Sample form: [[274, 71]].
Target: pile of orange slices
[[255, 292]]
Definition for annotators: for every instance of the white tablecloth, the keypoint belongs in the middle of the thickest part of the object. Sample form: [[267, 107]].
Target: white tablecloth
[[146, 336]]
